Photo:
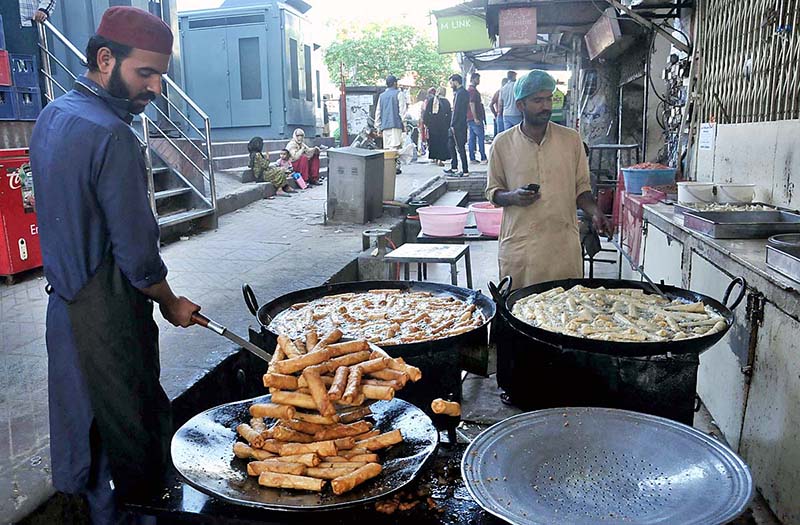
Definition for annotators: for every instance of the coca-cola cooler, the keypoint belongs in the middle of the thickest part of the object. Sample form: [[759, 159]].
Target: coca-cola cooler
[[19, 233]]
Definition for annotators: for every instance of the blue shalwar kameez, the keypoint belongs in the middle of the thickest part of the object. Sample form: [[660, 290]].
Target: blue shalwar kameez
[[92, 204]]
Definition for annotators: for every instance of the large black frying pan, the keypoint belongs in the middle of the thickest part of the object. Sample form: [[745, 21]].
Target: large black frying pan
[[202, 452], [506, 300]]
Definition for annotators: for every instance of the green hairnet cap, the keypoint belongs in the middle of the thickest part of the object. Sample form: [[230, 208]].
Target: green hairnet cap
[[533, 82]]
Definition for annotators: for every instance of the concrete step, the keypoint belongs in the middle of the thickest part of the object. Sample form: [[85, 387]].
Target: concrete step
[[225, 149], [240, 162], [453, 198]]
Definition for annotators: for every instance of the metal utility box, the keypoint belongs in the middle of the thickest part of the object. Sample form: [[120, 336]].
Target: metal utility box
[[355, 185], [253, 68]]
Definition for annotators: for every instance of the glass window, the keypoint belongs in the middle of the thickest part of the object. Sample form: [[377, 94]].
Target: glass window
[[309, 74], [295, 68], [250, 68]]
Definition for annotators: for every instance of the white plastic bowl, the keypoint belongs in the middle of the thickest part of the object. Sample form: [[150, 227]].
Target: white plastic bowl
[[695, 192], [443, 221], [735, 193]]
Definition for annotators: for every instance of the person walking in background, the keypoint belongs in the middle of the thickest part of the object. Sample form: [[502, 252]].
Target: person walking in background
[[458, 127], [437, 121], [305, 159], [476, 119], [497, 109], [392, 105], [423, 126], [511, 115]]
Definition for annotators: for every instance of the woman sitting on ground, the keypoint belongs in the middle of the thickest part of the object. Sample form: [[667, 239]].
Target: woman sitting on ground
[[264, 172], [305, 159]]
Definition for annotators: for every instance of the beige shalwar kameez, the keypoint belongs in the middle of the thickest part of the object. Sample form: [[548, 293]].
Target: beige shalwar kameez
[[540, 242]]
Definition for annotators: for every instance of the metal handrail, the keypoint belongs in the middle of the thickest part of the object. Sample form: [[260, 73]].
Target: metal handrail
[[146, 121]]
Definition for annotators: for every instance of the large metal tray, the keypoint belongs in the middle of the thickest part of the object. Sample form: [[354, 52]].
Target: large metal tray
[[742, 224], [586, 466], [784, 260], [202, 452], [681, 209]]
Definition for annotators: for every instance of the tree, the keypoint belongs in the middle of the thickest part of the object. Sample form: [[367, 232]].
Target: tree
[[372, 52]]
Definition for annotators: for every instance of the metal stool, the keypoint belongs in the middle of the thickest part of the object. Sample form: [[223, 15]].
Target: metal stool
[[424, 254]]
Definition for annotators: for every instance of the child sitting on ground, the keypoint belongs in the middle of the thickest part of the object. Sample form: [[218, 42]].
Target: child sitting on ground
[[263, 171]]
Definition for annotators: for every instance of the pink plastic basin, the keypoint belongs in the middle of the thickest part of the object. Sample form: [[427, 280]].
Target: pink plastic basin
[[487, 217], [443, 221]]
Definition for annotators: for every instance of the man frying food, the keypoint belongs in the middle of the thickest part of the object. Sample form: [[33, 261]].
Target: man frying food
[[539, 174], [109, 417]]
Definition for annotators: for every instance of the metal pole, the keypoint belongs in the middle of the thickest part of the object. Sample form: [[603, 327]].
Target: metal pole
[[148, 160], [44, 53], [649, 25], [343, 109], [211, 179]]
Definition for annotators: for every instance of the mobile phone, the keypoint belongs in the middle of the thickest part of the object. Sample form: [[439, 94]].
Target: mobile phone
[[532, 187]]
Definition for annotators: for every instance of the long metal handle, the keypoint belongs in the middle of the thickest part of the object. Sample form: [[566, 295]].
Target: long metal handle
[[639, 269], [204, 321]]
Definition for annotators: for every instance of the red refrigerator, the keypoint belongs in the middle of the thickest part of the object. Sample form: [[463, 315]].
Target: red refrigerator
[[19, 233]]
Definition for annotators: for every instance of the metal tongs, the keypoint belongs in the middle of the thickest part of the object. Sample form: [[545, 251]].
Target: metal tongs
[[202, 320]]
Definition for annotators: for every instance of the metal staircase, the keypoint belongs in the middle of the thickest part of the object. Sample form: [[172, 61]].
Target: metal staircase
[[180, 167]]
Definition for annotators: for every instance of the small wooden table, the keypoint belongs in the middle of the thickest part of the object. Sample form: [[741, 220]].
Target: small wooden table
[[424, 254]]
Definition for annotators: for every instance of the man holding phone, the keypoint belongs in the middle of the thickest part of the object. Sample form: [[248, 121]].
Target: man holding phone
[[538, 171]]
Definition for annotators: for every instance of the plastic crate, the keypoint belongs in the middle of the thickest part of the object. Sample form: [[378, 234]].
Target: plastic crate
[[24, 71], [7, 107], [27, 102], [5, 69]]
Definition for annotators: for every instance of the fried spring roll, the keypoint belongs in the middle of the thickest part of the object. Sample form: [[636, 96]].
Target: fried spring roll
[[356, 402], [257, 424], [288, 481], [391, 375], [288, 347], [367, 435], [374, 365], [311, 340], [336, 390], [272, 410], [321, 448], [272, 445], [345, 443], [349, 481], [345, 360], [309, 460], [340, 431], [256, 468], [280, 381], [353, 452], [394, 385], [349, 347], [304, 426], [282, 433], [301, 346], [329, 339], [295, 399], [248, 433], [382, 441], [277, 355], [296, 364], [414, 373], [398, 364], [355, 415], [368, 458], [329, 473], [385, 393], [242, 451], [450, 408], [342, 464], [326, 379], [353, 384], [316, 418], [319, 392]]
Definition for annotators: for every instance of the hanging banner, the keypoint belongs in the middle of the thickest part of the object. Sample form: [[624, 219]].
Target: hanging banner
[[462, 33], [518, 27]]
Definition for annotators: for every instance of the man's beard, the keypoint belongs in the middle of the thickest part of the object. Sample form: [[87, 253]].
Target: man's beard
[[117, 88], [540, 119]]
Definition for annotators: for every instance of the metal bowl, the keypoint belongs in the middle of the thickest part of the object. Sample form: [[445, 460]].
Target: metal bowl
[[785, 240], [599, 465]]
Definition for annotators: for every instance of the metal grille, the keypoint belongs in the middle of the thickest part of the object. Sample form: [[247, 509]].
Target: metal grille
[[749, 60]]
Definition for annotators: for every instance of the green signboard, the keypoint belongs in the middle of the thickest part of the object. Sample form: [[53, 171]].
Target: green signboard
[[462, 33], [558, 107]]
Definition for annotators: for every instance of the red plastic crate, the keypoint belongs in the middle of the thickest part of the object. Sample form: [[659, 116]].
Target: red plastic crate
[[5, 68]]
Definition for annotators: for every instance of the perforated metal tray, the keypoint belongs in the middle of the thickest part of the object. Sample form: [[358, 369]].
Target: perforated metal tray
[[599, 465]]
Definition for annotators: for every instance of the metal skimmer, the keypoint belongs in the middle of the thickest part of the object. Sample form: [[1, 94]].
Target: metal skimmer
[[599, 465]]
